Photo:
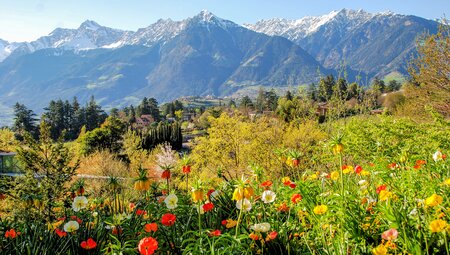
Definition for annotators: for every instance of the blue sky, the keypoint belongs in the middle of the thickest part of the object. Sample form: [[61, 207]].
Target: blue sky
[[25, 20]]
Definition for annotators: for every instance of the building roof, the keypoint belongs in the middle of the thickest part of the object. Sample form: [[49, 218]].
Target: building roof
[[7, 153]]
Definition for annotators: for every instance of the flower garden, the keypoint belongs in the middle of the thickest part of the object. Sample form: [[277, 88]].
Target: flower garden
[[391, 205]]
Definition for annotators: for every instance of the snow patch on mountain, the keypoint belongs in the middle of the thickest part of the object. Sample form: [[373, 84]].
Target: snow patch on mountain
[[301, 28]]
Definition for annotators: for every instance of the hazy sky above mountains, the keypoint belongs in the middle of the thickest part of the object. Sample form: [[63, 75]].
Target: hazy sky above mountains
[[29, 19]]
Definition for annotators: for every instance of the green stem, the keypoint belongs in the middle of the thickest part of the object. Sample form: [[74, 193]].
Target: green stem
[[446, 243], [199, 219], [239, 219], [342, 200]]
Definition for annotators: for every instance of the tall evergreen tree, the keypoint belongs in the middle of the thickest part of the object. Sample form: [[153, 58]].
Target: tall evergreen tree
[[246, 103], [340, 89], [95, 116], [325, 90], [24, 120], [311, 92], [271, 99]]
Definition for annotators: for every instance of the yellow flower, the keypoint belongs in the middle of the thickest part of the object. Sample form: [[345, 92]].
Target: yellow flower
[[248, 192], [197, 195], [53, 226], [347, 169], [365, 173], [313, 176], [334, 175], [379, 250], [438, 226], [238, 194], [385, 195], [447, 182], [230, 223], [285, 179], [433, 200], [320, 209]]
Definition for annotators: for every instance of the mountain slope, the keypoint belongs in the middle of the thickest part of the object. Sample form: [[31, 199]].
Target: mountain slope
[[202, 55], [373, 43]]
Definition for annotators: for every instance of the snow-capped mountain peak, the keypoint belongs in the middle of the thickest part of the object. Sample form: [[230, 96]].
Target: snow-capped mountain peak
[[207, 18], [300, 28], [89, 25]]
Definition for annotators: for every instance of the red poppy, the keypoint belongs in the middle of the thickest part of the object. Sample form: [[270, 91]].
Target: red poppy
[[208, 207], [88, 244], [358, 169], [292, 185], [420, 162], [272, 235], [73, 217], [380, 188], [253, 236], [215, 233], [147, 246], [283, 207], [295, 198], [11, 234], [393, 166], [60, 233], [224, 222], [186, 169], [165, 174], [140, 212], [266, 184], [168, 219], [149, 227], [416, 166]]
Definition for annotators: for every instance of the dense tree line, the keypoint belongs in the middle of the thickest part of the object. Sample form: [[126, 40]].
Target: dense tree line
[[71, 117], [64, 118]]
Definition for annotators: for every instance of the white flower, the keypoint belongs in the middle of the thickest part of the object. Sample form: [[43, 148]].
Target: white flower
[[79, 203], [214, 195], [261, 227], [437, 156], [95, 214], [200, 209], [171, 201], [413, 212], [71, 226], [363, 184], [244, 204], [268, 196]]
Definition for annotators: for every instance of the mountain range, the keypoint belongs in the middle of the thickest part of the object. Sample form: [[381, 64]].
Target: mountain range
[[202, 55]]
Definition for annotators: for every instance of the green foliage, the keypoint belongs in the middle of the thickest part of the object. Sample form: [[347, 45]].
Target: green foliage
[[387, 137], [8, 141], [107, 137], [48, 168], [430, 71]]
